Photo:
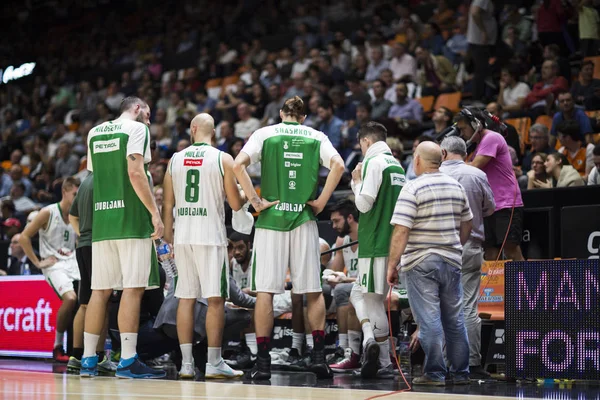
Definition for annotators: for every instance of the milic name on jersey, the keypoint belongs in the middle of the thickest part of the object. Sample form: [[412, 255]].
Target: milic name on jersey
[[109, 205], [194, 154], [191, 212]]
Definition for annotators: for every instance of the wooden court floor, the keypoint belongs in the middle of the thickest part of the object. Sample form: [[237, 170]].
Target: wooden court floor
[[21, 385]]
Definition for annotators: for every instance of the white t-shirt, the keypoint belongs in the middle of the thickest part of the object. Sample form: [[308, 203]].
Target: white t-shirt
[[243, 129], [510, 96]]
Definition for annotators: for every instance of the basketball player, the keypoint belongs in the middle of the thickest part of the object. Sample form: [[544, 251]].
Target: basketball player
[[376, 183], [125, 221], [197, 180], [58, 264], [80, 217], [344, 218], [286, 234]]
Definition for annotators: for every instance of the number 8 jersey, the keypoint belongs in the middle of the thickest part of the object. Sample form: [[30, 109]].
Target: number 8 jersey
[[197, 174]]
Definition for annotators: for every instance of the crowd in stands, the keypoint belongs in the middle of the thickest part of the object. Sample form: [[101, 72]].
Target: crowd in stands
[[410, 65]]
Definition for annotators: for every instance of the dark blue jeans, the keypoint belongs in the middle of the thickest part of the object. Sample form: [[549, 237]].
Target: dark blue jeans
[[436, 300]]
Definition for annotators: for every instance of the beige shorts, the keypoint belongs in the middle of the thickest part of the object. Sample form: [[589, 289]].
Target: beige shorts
[[124, 263], [202, 271]]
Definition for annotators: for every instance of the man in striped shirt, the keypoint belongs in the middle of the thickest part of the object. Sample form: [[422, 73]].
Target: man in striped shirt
[[432, 221]]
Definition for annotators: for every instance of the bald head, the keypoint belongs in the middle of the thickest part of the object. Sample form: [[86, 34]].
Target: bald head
[[202, 128], [428, 157]]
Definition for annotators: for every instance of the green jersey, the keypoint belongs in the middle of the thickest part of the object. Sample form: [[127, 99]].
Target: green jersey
[[118, 211], [83, 208], [383, 178], [290, 156]]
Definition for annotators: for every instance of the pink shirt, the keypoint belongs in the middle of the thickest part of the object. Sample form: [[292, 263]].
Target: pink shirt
[[499, 170]]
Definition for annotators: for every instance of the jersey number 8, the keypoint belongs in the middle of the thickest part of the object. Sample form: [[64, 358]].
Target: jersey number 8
[[192, 186]]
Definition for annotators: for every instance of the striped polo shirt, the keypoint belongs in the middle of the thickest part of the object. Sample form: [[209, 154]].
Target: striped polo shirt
[[432, 207]]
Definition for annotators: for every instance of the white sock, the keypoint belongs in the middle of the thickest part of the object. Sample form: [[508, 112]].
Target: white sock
[[354, 341], [343, 339], [384, 353], [309, 340], [186, 353], [367, 332], [297, 340], [214, 356], [58, 339], [251, 343], [90, 341], [128, 345]]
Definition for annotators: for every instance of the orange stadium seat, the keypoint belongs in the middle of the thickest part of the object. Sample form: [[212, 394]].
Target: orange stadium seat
[[545, 120], [230, 81], [522, 126], [426, 103], [449, 100]]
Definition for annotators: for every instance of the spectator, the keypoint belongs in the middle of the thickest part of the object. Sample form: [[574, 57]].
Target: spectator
[[329, 75], [312, 119], [568, 112], [442, 119], [406, 110], [226, 58], [257, 55], [377, 64], [204, 104], [586, 89], [357, 94], [510, 134], [516, 21], [16, 174], [330, 124], [402, 65], [594, 177], [339, 59], [270, 76], [537, 177], [432, 39], [271, 115], [22, 203], [114, 97], [512, 92], [492, 157], [573, 148], [10, 227], [302, 34], [224, 134], [511, 40], [457, 46], [302, 62], [410, 170], [540, 143], [380, 106], [436, 74], [481, 35], [342, 108], [5, 183], [235, 146], [561, 173], [541, 98], [552, 53], [431, 264], [18, 263], [67, 163], [246, 124], [551, 15], [589, 28], [257, 101], [396, 146], [359, 66], [298, 88], [443, 15]]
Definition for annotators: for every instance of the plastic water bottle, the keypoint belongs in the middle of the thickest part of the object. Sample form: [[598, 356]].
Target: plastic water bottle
[[404, 351], [26, 270], [166, 258], [107, 347]]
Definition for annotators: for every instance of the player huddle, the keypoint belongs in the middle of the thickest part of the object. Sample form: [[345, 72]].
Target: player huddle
[[198, 181]]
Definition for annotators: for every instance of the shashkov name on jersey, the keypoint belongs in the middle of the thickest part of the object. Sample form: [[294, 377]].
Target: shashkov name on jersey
[[109, 205]]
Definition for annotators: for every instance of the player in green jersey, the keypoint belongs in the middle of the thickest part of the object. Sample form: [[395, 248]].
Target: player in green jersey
[[286, 233]]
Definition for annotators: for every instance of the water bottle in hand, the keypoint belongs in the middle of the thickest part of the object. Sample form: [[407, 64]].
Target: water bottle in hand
[[166, 258]]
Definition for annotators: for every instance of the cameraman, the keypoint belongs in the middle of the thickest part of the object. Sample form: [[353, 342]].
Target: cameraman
[[492, 157]]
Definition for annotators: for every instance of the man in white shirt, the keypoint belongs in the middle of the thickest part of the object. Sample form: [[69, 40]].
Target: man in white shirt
[[403, 65], [512, 92], [247, 124]]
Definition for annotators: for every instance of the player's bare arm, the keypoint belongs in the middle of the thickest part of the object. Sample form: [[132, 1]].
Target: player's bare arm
[[234, 197], [74, 221], [40, 221], [336, 170], [168, 204], [337, 264], [239, 169], [139, 181]]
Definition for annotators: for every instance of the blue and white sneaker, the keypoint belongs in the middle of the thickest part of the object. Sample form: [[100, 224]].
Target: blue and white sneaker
[[133, 368], [89, 366], [221, 371]]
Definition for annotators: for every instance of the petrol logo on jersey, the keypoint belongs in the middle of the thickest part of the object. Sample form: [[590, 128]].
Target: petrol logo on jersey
[[192, 162]]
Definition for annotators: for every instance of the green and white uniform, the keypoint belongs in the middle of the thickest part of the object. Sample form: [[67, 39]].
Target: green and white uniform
[[123, 254], [200, 235], [58, 240], [350, 258], [383, 178], [286, 234], [241, 277]]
